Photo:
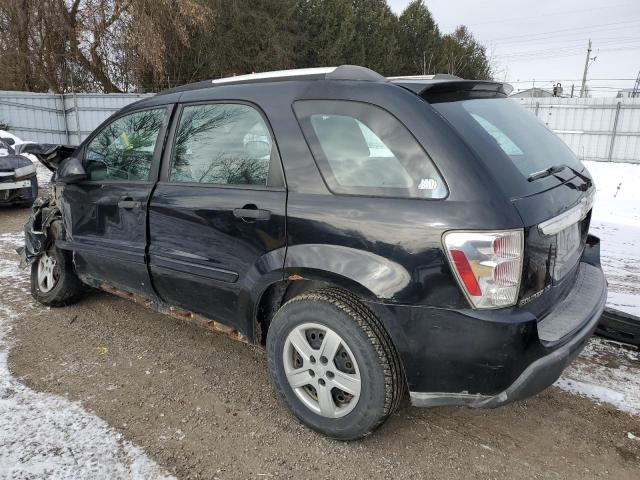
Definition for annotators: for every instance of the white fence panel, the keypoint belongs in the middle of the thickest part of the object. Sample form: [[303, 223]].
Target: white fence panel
[[603, 129], [52, 118]]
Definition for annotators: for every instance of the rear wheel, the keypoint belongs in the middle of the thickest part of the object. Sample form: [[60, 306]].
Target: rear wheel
[[333, 364]]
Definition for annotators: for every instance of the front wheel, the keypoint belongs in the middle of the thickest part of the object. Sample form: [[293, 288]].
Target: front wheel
[[333, 364], [53, 281]]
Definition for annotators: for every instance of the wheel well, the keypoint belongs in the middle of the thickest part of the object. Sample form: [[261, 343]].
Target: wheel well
[[274, 297]]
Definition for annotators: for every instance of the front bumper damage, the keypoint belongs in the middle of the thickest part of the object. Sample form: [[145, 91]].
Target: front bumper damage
[[36, 230]]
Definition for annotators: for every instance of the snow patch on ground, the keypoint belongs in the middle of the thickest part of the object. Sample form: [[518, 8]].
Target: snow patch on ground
[[606, 372], [616, 220], [47, 436]]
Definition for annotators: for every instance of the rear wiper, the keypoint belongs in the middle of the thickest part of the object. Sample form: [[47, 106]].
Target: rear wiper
[[546, 172]]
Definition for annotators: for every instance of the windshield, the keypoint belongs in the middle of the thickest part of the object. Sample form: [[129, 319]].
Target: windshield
[[506, 135]]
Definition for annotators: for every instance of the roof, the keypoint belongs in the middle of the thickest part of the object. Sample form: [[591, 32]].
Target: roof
[[416, 83], [343, 72]]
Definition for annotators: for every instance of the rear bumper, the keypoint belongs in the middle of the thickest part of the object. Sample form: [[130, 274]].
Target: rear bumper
[[537, 376], [490, 358]]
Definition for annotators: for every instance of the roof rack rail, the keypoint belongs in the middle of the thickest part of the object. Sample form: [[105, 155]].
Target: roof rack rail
[[355, 72], [343, 72], [437, 76]]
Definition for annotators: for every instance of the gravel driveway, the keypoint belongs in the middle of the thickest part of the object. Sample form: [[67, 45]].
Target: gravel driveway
[[201, 405]]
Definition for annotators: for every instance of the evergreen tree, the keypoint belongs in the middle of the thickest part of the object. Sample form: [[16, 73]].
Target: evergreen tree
[[419, 40], [326, 30], [464, 56]]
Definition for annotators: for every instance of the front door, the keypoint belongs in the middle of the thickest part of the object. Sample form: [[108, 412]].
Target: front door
[[217, 216], [106, 214]]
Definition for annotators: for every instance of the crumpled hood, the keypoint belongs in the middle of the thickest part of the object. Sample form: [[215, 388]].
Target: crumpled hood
[[11, 162], [49, 154]]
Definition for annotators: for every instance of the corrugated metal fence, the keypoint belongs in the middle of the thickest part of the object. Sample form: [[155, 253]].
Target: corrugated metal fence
[[53, 118], [602, 129]]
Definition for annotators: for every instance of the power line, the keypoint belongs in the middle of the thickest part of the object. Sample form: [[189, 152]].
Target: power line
[[552, 32]]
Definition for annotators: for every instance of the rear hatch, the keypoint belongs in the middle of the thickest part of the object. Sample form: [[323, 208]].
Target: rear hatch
[[550, 188]]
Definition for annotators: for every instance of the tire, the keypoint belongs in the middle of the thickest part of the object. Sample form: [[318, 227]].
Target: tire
[[370, 358], [62, 287]]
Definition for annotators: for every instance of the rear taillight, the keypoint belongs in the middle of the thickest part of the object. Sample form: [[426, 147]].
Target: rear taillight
[[487, 265]]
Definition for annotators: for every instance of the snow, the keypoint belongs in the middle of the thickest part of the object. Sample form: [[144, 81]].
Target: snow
[[616, 220], [604, 371], [44, 435], [5, 134]]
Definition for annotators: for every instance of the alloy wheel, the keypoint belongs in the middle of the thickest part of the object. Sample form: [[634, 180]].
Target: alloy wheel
[[48, 273], [322, 370]]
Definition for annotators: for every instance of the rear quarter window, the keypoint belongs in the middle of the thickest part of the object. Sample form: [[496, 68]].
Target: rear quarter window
[[362, 149]]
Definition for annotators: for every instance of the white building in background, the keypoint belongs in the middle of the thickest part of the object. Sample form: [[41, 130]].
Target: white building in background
[[627, 93], [534, 92]]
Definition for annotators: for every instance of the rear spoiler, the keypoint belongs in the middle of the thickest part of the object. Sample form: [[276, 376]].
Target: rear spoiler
[[49, 154], [442, 89]]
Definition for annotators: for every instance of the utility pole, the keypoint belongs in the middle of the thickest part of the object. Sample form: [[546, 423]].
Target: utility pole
[[424, 63], [636, 87], [572, 86], [584, 75]]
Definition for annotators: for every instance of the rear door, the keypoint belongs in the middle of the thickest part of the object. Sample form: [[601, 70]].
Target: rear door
[[217, 217], [106, 214]]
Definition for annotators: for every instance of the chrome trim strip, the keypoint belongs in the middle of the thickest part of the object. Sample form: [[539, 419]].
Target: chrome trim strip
[[568, 218], [275, 74], [435, 399]]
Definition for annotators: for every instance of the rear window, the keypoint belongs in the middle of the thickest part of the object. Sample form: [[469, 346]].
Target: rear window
[[362, 149], [504, 133]]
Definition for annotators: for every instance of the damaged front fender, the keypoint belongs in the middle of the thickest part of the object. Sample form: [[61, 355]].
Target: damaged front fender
[[37, 230]]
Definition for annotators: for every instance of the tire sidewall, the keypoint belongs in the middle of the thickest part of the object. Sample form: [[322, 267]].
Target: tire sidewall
[[56, 292], [371, 405]]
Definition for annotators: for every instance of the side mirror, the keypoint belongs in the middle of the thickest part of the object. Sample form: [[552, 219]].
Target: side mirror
[[9, 141], [71, 170]]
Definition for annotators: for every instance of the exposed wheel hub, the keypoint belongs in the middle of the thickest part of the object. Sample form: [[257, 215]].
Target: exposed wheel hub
[[48, 272], [322, 370]]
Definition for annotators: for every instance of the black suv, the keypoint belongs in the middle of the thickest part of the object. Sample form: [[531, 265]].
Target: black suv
[[373, 234]]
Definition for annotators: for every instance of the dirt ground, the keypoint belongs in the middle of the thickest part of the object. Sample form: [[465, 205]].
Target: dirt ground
[[202, 406]]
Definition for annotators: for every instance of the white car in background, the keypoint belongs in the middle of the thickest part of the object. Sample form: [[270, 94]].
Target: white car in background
[[18, 173], [44, 174]]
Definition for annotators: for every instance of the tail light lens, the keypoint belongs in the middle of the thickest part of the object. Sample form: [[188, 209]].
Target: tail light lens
[[487, 265]]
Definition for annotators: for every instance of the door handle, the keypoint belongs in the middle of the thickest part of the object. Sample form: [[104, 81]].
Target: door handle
[[250, 213], [129, 204]]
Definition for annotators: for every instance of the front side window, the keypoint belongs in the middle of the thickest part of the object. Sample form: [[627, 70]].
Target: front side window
[[124, 149], [361, 149], [224, 144]]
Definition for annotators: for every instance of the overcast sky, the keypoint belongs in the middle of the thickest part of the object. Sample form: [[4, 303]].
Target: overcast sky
[[546, 40]]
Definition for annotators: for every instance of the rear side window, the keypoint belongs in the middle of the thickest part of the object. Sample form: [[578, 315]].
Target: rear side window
[[224, 144], [362, 149], [123, 150]]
